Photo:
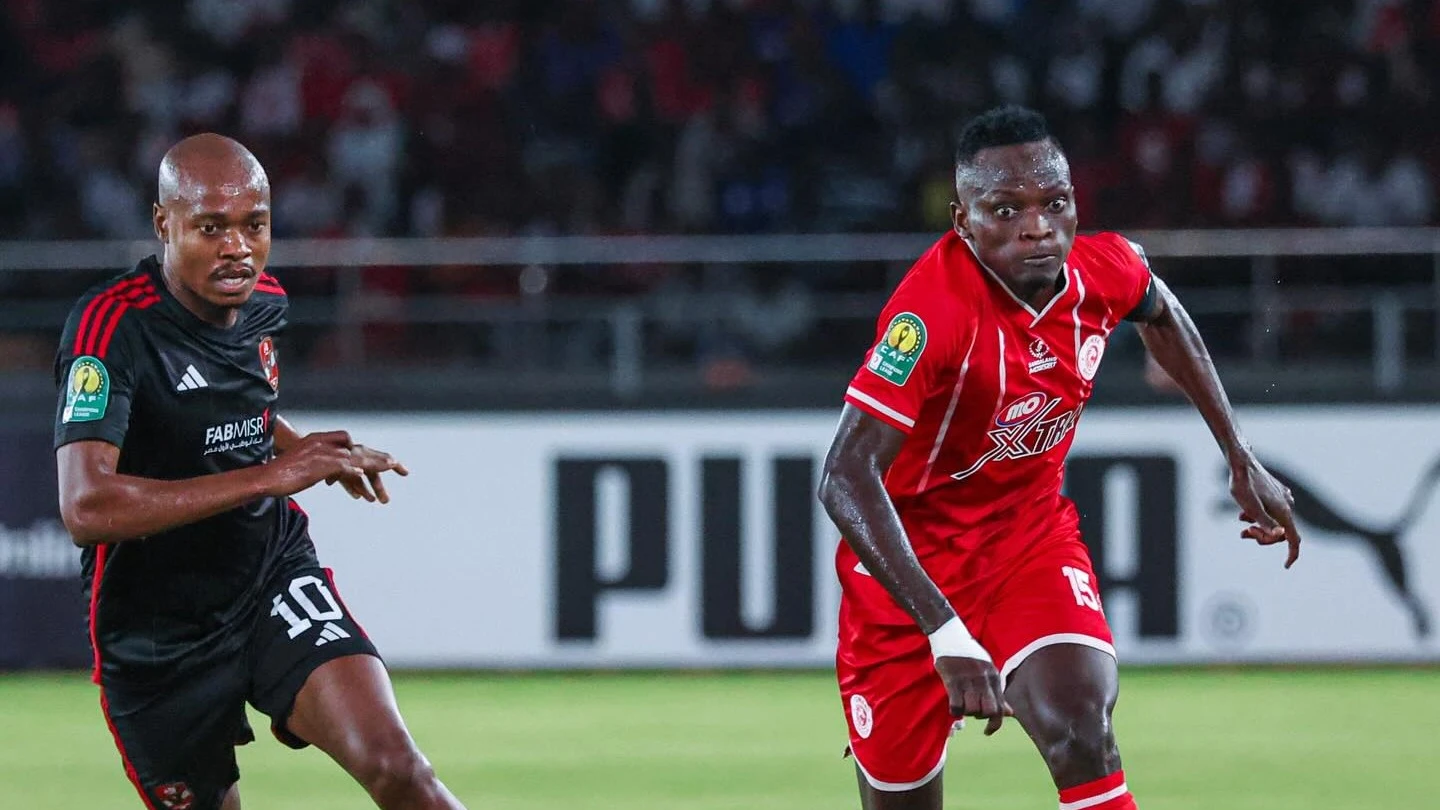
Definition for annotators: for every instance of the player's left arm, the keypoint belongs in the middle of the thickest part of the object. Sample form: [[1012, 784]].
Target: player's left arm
[[367, 484], [1172, 339]]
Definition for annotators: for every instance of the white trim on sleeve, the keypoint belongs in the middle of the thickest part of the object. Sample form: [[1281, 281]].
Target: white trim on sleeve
[[852, 391]]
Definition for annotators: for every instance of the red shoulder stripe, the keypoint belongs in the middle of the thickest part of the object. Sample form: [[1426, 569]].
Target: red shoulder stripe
[[109, 315], [104, 345], [97, 314], [142, 300], [102, 337], [270, 284], [97, 324], [88, 320]]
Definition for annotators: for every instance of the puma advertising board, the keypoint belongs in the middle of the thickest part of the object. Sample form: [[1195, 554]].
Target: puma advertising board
[[693, 539]]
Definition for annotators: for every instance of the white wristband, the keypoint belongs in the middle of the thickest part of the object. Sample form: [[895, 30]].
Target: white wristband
[[953, 640]]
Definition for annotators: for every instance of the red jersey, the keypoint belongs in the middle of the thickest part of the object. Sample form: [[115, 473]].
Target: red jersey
[[989, 390]]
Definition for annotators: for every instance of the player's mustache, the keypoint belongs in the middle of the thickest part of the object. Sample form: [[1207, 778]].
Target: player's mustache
[[233, 270]]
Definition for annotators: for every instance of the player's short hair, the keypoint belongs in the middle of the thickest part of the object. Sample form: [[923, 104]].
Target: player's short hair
[[1000, 126]]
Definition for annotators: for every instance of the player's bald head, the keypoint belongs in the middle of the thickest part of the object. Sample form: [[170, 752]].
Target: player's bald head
[[208, 164]]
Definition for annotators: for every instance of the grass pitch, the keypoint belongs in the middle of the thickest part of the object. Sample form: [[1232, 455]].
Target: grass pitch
[[1279, 740]]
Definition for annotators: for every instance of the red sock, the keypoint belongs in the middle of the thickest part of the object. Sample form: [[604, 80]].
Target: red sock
[[1106, 793]]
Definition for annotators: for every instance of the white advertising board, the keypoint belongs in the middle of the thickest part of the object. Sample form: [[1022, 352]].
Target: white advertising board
[[693, 539]]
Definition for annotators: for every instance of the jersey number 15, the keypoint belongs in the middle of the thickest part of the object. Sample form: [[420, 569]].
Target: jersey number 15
[[1080, 583]]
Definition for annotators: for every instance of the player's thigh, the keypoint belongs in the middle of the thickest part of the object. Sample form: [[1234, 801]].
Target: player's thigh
[[347, 709], [1053, 598], [1064, 690], [302, 626], [895, 705], [177, 743], [1048, 635], [1064, 696]]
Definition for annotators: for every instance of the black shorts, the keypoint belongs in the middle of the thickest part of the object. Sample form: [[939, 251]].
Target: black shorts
[[178, 742]]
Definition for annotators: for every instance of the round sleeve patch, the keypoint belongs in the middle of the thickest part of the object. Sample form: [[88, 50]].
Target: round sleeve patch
[[895, 356], [87, 392]]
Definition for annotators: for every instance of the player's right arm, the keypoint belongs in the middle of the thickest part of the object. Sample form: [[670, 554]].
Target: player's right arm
[[882, 403], [100, 505], [852, 489]]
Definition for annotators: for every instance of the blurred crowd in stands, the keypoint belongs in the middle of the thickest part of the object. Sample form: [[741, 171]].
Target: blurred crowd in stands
[[430, 117], [489, 117]]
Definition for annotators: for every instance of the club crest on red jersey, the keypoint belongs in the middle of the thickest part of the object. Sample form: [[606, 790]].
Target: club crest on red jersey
[[175, 796], [269, 363], [861, 715], [1088, 363]]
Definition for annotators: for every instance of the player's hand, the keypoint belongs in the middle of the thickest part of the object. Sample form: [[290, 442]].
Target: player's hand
[[367, 484], [314, 458], [1265, 504], [975, 690]]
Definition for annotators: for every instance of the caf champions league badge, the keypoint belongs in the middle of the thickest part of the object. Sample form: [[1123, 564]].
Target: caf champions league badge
[[895, 356], [268, 363], [87, 393]]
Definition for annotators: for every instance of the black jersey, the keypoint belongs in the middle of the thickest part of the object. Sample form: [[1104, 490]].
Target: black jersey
[[180, 398]]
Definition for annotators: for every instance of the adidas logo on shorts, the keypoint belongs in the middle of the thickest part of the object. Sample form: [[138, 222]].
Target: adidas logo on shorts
[[330, 632]]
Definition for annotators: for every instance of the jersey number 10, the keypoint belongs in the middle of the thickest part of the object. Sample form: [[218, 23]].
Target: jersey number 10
[[279, 607]]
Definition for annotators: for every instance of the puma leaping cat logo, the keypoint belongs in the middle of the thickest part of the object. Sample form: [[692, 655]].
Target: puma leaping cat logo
[[1382, 541]]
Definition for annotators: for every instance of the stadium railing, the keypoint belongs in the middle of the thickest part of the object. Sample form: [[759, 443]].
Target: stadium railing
[[1245, 286]]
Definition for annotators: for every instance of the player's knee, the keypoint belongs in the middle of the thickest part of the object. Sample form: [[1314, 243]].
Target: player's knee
[[396, 771], [1080, 742]]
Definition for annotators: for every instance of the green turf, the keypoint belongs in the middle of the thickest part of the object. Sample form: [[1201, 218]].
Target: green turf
[[1277, 740]]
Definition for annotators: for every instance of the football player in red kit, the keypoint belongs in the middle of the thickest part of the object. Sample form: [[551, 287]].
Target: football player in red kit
[[967, 590]]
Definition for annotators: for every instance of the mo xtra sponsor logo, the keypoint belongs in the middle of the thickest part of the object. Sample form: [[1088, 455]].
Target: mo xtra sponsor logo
[[1024, 428]]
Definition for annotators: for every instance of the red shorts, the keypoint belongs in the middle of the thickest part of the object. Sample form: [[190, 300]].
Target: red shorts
[[895, 703]]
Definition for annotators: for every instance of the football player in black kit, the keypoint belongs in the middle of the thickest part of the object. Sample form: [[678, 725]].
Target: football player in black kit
[[175, 476]]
